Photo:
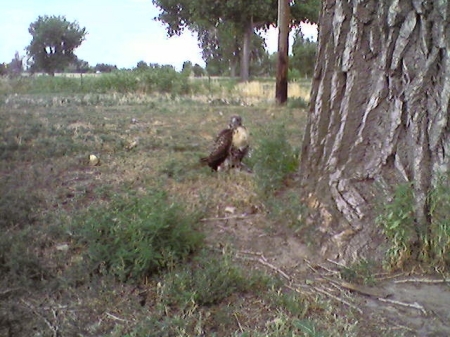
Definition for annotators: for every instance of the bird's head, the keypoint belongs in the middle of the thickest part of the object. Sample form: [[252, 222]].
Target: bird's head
[[235, 121]]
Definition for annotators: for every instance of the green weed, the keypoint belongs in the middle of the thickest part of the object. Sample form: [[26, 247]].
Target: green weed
[[398, 223], [360, 272], [273, 159], [138, 235], [297, 103], [308, 328], [18, 206], [287, 208], [439, 233], [17, 259], [202, 297], [207, 281], [290, 302]]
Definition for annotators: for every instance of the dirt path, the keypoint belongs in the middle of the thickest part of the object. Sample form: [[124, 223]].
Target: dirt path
[[409, 305]]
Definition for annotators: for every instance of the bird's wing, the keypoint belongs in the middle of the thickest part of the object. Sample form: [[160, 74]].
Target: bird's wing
[[220, 149]]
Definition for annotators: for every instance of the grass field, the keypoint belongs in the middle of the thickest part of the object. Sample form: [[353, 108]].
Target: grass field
[[147, 242]]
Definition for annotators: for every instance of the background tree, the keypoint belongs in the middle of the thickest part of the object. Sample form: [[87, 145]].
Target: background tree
[[3, 69], [82, 66], [78, 66], [142, 65], [244, 16], [281, 79], [187, 68], [105, 68], [15, 67], [378, 119], [259, 57], [222, 50], [303, 56], [53, 44], [198, 70]]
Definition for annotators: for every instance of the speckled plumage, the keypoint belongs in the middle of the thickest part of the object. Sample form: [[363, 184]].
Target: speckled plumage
[[220, 150]]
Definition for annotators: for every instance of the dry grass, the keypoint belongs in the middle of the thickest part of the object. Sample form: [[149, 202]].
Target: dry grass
[[47, 286], [264, 91], [45, 145]]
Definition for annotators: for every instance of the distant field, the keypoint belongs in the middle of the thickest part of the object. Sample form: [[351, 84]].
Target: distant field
[[260, 90]]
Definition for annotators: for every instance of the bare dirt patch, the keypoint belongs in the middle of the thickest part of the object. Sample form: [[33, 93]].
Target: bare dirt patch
[[409, 304]]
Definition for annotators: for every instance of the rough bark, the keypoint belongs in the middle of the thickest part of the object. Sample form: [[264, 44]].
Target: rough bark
[[378, 117], [281, 87]]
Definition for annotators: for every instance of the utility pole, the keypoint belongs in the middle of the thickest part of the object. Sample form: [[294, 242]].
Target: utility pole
[[281, 88]]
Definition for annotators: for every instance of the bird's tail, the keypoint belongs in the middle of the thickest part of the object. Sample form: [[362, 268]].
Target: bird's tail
[[204, 160]]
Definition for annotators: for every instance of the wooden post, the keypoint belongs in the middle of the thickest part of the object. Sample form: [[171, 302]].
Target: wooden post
[[281, 89]]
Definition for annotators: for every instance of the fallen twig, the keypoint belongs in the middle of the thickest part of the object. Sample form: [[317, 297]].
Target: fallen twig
[[8, 291], [282, 273], [332, 272], [364, 290], [414, 305], [381, 277], [398, 327], [115, 317], [54, 328], [262, 259], [416, 280], [249, 252], [234, 217], [336, 263], [239, 323], [337, 299]]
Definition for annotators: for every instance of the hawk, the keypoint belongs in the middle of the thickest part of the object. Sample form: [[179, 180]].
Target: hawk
[[230, 147]]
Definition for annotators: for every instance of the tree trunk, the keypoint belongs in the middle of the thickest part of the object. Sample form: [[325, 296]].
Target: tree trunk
[[378, 117], [245, 59], [233, 66], [281, 88]]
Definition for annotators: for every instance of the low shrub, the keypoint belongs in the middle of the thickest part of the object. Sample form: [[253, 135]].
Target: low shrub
[[136, 236], [209, 280], [19, 264], [405, 239], [397, 221], [18, 206]]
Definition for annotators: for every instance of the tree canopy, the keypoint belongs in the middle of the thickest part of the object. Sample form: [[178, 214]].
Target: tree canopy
[[241, 17], [195, 14], [303, 56], [53, 43]]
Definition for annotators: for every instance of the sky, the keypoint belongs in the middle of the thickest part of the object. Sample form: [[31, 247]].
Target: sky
[[120, 32]]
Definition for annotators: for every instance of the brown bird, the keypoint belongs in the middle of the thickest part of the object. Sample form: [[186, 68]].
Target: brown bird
[[222, 145]]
